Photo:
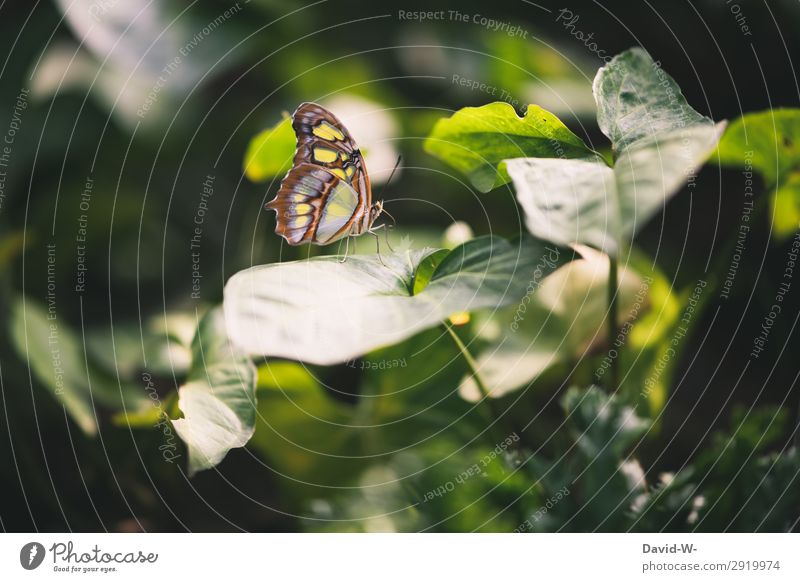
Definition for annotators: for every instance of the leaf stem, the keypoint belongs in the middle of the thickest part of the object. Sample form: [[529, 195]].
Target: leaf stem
[[494, 414], [613, 319]]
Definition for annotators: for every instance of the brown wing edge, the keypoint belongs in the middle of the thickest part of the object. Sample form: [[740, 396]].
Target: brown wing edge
[[305, 184]]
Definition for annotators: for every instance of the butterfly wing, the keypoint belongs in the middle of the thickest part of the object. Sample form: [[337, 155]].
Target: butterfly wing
[[326, 194], [314, 206], [322, 139]]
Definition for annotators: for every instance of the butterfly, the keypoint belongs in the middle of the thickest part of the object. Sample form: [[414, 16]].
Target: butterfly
[[326, 195]]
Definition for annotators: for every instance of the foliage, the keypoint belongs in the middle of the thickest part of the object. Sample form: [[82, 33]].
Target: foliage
[[767, 142], [474, 140], [218, 398], [275, 310], [411, 390], [55, 355], [658, 140], [270, 152]]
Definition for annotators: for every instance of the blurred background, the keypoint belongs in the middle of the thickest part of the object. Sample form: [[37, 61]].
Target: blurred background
[[119, 117]]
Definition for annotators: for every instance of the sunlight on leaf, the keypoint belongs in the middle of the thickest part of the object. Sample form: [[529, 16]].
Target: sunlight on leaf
[[659, 142], [474, 140], [270, 152], [769, 142]]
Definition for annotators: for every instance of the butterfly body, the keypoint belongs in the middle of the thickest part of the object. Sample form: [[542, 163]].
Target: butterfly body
[[326, 195]]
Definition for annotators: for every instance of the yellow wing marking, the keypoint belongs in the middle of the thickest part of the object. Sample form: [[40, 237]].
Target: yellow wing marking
[[325, 155], [327, 132], [301, 221]]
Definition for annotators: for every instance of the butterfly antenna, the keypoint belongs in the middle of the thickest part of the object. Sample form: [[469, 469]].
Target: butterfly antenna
[[387, 213], [386, 184]]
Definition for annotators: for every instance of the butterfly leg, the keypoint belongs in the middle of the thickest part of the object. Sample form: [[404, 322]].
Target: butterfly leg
[[386, 231], [378, 245], [346, 249], [385, 228]]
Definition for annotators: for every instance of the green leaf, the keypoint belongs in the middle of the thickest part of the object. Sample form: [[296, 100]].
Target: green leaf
[[218, 400], [769, 142], [729, 486], [305, 434], [659, 142], [646, 366], [559, 320], [589, 483], [323, 311], [601, 424], [786, 207], [638, 101], [603, 429], [130, 348], [53, 352], [269, 153], [425, 270], [58, 364], [568, 201], [474, 140], [769, 139], [283, 375]]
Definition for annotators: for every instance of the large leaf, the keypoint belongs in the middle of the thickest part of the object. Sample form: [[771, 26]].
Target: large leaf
[[568, 201], [218, 400], [55, 356], [558, 323], [659, 142], [474, 140], [769, 142], [324, 312]]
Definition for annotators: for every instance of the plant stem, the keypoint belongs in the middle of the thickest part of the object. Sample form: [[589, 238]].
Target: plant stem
[[613, 319], [473, 368]]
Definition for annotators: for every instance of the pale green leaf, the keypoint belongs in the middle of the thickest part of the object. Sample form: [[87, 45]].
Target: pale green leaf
[[218, 400], [768, 141], [637, 100], [659, 142], [324, 312]]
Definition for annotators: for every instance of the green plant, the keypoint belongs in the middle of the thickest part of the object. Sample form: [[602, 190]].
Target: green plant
[[483, 325]]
